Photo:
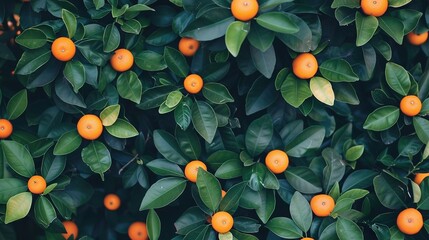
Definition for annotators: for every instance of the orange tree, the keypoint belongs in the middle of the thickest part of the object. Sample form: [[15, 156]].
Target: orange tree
[[214, 119]]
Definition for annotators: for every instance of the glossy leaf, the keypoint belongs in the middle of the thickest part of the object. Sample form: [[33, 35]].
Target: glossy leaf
[[129, 86], [235, 35], [18, 207], [277, 22], [44, 211], [153, 224], [97, 157], [295, 91], [217, 93], [74, 72], [300, 211], [397, 78], [338, 70], [382, 118], [258, 135], [209, 189], [10, 187], [322, 90], [18, 158], [284, 227], [176, 62], [17, 104], [110, 114], [204, 120], [365, 28], [168, 147], [31, 38], [163, 192], [67, 143]]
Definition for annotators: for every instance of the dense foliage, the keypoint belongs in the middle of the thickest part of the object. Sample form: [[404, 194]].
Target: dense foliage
[[345, 130]]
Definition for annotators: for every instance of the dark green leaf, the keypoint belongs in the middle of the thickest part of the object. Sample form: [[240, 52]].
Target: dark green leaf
[[17, 104], [163, 192], [204, 120], [258, 135], [19, 158], [382, 118], [176, 62], [97, 157], [209, 189]]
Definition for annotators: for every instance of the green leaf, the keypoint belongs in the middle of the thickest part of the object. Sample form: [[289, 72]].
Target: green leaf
[[176, 62], [303, 180], [232, 198], [67, 143], [44, 212], [354, 153], [354, 194], [382, 118], [277, 22], [264, 61], [150, 61], [32, 60], [129, 86], [153, 225], [122, 129], [231, 168], [132, 26], [97, 157], [110, 114], [345, 3], [284, 228], [32, 38], [338, 70], [307, 141], [390, 191], [397, 78], [261, 95], [393, 27], [182, 115], [235, 35], [258, 135], [212, 26], [18, 207], [52, 166], [260, 38], [74, 72], [334, 170], [347, 229], [365, 28], [19, 158], [163, 192], [111, 38], [168, 147], [421, 127], [70, 21], [10, 187], [173, 99], [165, 168], [295, 91], [98, 4], [154, 97], [300, 211], [217, 93], [17, 104], [209, 189], [268, 204], [189, 143], [322, 90], [423, 204], [204, 120]]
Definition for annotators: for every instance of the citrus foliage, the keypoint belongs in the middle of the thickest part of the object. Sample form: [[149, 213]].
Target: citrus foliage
[[159, 119]]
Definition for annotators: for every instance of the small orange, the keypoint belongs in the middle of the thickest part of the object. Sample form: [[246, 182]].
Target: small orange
[[188, 46], [112, 201], [6, 128], [193, 83], [122, 60], [244, 10], [322, 205], [63, 49], [191, 169], [410, 105], [137, 231], [420, 177], [417, 39], [305, 66], [307, 238], [409, 221], [90, 127], [36, 184], [222, 222], [277, 161], [71, 229], [223, 193], [374, 8]]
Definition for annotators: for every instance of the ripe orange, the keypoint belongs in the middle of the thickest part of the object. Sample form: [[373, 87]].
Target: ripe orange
[[89, 127], [63, 49], [112, 201], [244, 10], [36, 184], [322, 205], [420, 177], [223, 193], [409, 221], [188, 46], [137, 231], [417, 39], [410, 105], [307, 238], [374, 8], [305, 66], [193, 83], [71, 229], [122, 60], [222, 222], [277, 161], [191, 169], [6, 128]]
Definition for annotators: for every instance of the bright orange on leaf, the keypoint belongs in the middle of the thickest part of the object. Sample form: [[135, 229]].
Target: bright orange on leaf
[[417, 39], [410, 105], [36, 184], [137, 231], [409, 221], [305, 66], [244, 10], [122, 60], [277, 161], [188, 46], [193, 83], [6, 128], [322, 205], [112, 202], [90, 127], [191, 169], [63, 49], [374, 8], [71, 229], [222, 222]]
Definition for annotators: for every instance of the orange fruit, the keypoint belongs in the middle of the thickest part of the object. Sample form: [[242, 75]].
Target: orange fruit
[[193, 83], [222, 222], [305, 66], [322, 205], [223, 193], [6, 128], [409, 221], [36, 184], [138, 231], [420, 177], [71, 229], [374, 8], [122, 60], [191, 169], [277, 161], [89, 127], [417, 39], [307, 238], [188, 46], [410, 105], [112, 201], [244, 10], [63, 49]]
